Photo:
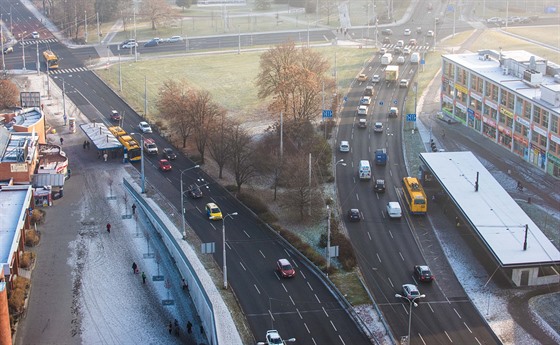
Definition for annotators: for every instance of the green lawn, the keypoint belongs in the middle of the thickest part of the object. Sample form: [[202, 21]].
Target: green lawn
[[229, 77]]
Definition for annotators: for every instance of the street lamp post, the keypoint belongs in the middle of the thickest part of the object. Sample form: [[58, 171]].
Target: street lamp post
[[411, 302], [143, 181], [329, 219], [183, 203], [23, 47], [224, 245], [2, 47]]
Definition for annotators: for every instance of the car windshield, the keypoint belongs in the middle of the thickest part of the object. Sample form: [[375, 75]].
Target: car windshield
[[215, 210], [274, 339], [426, 273]]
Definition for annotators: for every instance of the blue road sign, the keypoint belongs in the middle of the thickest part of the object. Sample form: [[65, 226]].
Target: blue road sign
[[380, 102], [411, 117], [345, 98], [422, 62], [396, 101], [327, 113]]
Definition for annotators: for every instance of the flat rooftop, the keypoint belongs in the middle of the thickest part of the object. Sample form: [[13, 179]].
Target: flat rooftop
[[497, 219], [491, 70], [13, 201]]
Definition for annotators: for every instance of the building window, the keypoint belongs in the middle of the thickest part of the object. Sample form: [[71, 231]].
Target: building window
[[526, 110], [542, 140], [545, 119], [462, 76], [537, 115], [554, 124], [553, 148], [509, 122]]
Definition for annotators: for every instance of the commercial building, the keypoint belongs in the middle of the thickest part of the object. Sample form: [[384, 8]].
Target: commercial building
[[510, 97]]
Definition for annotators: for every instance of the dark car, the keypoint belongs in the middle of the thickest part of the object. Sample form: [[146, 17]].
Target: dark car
[[354, 215], [169, 154], [285, 268], [387, 32], [379, 186], [151, 43], [423, 273], [194, 191], [386, 40]]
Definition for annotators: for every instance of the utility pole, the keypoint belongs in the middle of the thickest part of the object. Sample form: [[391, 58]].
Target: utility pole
[[136, 45], [98, 32], [85, 24], [23, 48], [120, 74], [328, 238], [63, 102], [145, 98], [2, 47], [38, 63], [309, 182]]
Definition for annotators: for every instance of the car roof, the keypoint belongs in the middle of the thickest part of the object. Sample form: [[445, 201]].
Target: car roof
[[354, 210], [410, 287], [393, 204], [283, 262], [423, 267], [363, 106], [211, 205], [379, 124], [149, 141], [362, 120], [143, 123]]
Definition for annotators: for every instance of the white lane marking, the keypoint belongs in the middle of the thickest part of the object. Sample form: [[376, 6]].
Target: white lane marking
[[464, 323], [244, 269], [311, 288], [334, 326], [390, 233], [229, 247], [342, 341], [456, 312], [271, 316], [429, 305], [292, 300], [369, 235], [284, 287], [307, 328], [317, 298], [357, 197], [448, 337], [301, 317], [402, 257], [420, 335], [246, 234], [262, 254], [478, 341], [391, 282], [378, 258], [302, 274], [325, 311], [256, 288]]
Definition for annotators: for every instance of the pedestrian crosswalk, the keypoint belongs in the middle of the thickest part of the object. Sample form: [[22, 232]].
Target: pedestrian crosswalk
[[68, 70], [413, 48], [32, 42]]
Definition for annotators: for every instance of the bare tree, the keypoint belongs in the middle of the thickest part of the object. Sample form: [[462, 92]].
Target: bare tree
[[299, 195], [156, 11], [8, 94], [203, 112], [219, 144], [173, 104], [241, 155]]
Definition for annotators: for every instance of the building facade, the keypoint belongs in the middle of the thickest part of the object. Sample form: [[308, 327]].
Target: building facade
[[512, 98]]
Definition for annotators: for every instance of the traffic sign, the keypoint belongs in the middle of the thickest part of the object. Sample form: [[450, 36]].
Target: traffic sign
[[380, 102], [327, 113], [411, 117], [396, 101], [422, 62]]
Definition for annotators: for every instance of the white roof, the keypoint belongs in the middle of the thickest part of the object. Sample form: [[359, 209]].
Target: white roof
[[495, 216], [13, 203], [99, 134]]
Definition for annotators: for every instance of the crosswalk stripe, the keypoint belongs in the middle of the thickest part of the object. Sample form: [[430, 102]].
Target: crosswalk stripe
[[68, 70], [49, 40]]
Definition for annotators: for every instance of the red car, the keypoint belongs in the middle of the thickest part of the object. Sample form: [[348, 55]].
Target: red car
[[285, 268], [164, 165]]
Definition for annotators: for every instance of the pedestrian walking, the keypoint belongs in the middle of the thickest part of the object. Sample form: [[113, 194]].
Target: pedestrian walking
[[84, 145], [201, 329], [98, 154], [61, 141], [176, 327], [144, 282], [87, 144], [108, 227], [189, 327], [105, 156], [170, 327], [133, 209], [185, 285], [134, 268]]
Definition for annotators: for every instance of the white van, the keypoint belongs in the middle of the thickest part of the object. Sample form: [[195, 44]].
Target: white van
[[394, 209], [364, 170], [344, 146], [415, 58]]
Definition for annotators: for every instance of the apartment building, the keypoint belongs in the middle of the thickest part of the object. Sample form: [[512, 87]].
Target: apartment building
[[510, 97]]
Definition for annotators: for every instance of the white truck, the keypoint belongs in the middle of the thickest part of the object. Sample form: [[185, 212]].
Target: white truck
[[386, 59], [415, 58], [364, 170], [392, 73]]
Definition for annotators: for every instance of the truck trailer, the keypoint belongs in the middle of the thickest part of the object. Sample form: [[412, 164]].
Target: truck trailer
[[386, 59], [392, 73]]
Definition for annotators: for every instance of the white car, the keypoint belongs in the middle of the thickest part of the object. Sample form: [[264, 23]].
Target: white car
[[378, 127], [344, 146], [410, 291], [376, 78], [407, 32], [174, 39], [362, 110], [129, 45], [366, 100], [430, 33], [394, 209], [35, 35], [406, 51], [145, 127], [382, 51], [273, 338]]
